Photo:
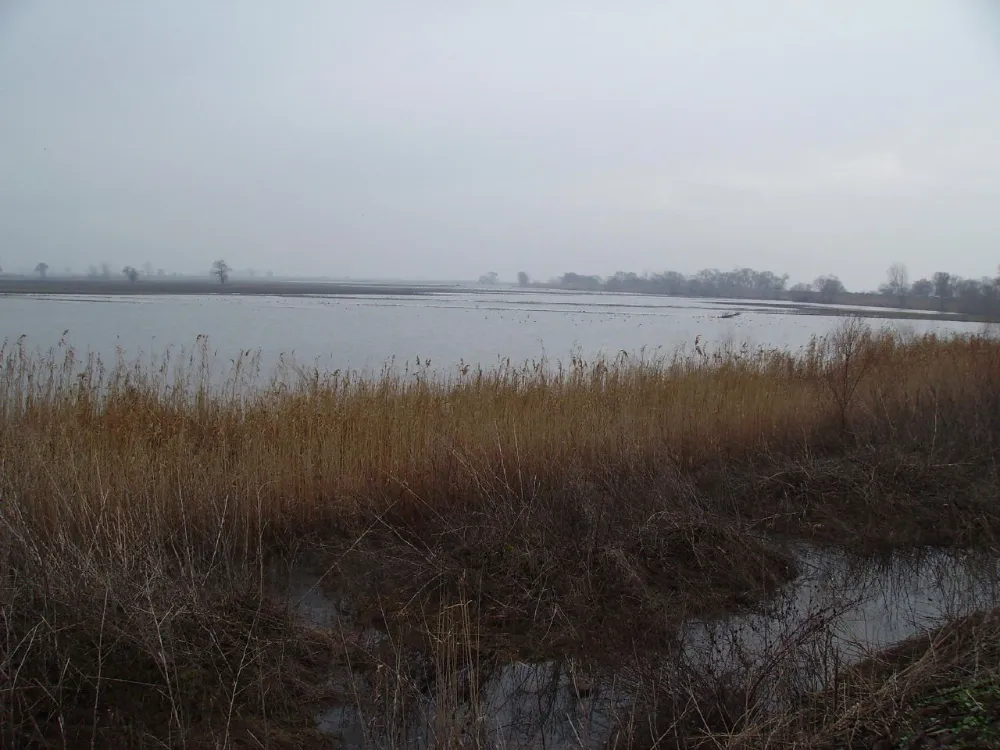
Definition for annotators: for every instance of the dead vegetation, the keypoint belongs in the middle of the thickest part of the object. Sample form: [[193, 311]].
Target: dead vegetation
[[935, 690], [139, 506], [790, 689]]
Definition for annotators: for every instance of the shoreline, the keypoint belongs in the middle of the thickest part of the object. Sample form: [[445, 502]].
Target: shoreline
[[187, 287], [29, 287]]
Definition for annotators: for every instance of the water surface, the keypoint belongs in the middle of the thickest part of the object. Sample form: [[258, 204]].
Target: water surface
[[366, 332]]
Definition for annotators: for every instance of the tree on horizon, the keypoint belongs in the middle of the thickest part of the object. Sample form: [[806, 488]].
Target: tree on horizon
[[221, 269], [897, 283], [828, 287]]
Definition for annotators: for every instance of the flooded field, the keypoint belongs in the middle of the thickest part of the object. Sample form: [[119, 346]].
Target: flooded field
[[838, 611], [443, 329]]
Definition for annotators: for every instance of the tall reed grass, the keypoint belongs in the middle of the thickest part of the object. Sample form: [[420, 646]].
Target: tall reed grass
[[80, 436]]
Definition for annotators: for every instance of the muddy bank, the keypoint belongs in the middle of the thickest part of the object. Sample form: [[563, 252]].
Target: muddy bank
[[557, 574]]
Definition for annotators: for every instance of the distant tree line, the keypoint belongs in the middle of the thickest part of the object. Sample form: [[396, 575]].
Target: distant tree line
[[743, 282], [221, 270], [943, 291], [980, 297]]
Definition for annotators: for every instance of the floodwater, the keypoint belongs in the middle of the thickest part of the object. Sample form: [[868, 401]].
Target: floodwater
[[839, 610], [366, 333]]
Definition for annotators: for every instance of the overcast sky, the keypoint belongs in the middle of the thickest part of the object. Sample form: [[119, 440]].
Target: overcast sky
[[440, 139]]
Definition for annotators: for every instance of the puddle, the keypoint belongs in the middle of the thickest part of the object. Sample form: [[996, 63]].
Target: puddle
[[867, 605], [836, 612], [841, 610], [308, 599]]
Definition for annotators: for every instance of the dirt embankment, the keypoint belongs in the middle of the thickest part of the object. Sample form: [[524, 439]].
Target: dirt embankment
[[193, 286]]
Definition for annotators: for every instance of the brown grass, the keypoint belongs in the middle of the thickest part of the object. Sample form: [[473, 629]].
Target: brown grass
[[297, 455], [138, 505]]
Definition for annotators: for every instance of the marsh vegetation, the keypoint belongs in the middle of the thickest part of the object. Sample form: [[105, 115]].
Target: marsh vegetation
[[557, 522]]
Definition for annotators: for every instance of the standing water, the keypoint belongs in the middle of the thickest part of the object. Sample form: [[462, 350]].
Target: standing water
[[445, 329], [838, 610]]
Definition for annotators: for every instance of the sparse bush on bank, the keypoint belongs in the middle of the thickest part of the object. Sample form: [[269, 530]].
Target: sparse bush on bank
[[140, 505]]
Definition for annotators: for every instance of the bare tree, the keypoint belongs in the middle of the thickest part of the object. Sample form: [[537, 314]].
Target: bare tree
[[800, 292], [852, 357], [943, 287], [221, 269], [42, 268], [922, 288], [131, 273], [828, 287], [522, 278], [897, 283]]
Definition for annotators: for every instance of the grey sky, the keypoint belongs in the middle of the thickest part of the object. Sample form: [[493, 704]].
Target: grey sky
[[443, 139]]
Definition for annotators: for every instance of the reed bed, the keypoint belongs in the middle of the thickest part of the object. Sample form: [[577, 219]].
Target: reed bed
[[308, 448]]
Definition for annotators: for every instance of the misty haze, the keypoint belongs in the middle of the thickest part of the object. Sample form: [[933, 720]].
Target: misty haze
[[439, 375]]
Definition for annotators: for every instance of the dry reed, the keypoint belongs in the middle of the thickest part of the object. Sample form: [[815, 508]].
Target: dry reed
[[79, 439]]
